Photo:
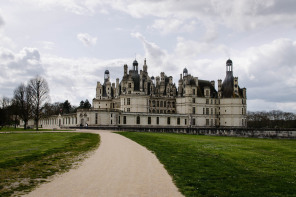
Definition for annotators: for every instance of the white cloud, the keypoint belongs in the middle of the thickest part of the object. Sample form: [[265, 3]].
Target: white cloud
[[86, 39], [18, 67], [236, 15], [1, 21], [47, 45], [172, 25]]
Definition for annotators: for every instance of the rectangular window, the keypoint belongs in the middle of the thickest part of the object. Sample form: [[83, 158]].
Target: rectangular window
[[138, 120], [96, 118], [124, 119], [211, 122], [193, 121], [193, 110], [128, 109], [193, 91], [169, 120], [128, 101], [203, 111], [118, 119], [129, 85], [211, 101], [178, 121], [211, 110], [207, 111], [193, 100], [242, 110], [207, 101], [185, 121], [149, 120], [207, 122], [157, 120]]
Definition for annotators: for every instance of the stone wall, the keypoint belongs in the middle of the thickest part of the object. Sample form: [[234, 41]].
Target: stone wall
[[236, 132]]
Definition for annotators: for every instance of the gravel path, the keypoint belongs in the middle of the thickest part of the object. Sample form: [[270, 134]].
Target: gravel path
[[119, 167]]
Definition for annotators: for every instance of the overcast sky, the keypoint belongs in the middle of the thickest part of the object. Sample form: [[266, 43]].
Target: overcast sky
[[71, 42]]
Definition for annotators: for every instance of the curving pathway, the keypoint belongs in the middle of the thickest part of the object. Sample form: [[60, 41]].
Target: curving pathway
[[119, 167]]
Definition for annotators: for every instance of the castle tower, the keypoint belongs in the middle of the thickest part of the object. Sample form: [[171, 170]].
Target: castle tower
[[106, 76], [185, 72], [219, 88], [229, 67], [135, 66], [125, 69], [180, 85], [235, 85], [145, 66], [227, 86]]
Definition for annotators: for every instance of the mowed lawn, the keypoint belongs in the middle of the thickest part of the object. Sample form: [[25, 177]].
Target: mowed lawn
[[225, 166], [27, 159]]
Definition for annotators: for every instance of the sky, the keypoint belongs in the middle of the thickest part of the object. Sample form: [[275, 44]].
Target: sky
[[72, 42]]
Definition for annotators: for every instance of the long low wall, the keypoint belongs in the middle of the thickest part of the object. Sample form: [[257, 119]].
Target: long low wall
[[237, 132]]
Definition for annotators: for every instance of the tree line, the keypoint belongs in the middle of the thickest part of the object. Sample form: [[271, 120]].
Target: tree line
[[31, 101], [271, 119]]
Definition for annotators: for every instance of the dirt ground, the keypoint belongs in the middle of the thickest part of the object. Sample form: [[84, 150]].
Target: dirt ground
[[119, 167]]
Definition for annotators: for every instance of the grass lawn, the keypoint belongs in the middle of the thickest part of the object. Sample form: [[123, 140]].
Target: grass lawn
[[224, 166], [27, 159]]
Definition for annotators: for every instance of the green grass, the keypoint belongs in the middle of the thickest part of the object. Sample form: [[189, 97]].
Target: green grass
[[224, 166], [28, 159]]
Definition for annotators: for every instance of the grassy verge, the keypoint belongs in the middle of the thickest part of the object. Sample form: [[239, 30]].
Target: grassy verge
[[27, 159], [225, 166]]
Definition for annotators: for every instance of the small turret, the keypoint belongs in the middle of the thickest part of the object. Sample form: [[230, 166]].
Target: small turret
[[125, 69], [106, 76], [145, 66]]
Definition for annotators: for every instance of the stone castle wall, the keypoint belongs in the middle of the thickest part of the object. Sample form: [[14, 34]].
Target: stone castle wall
[[231, 132]]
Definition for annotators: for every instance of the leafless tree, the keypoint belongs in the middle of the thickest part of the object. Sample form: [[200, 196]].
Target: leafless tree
[[40, 95], [5, 112], [23, 99]]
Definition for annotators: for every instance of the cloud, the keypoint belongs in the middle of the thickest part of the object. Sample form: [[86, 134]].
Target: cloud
[[171, 16], [1, 21], [18, 67], [172, 25], [240, 15], [86, 39], [157, 57], [47, 45]]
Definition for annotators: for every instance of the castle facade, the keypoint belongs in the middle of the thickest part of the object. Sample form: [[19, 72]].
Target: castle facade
[[140, 100]]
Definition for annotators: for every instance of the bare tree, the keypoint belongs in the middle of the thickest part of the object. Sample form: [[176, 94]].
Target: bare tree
[[5, 113], [23, 99], [40, 95]]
